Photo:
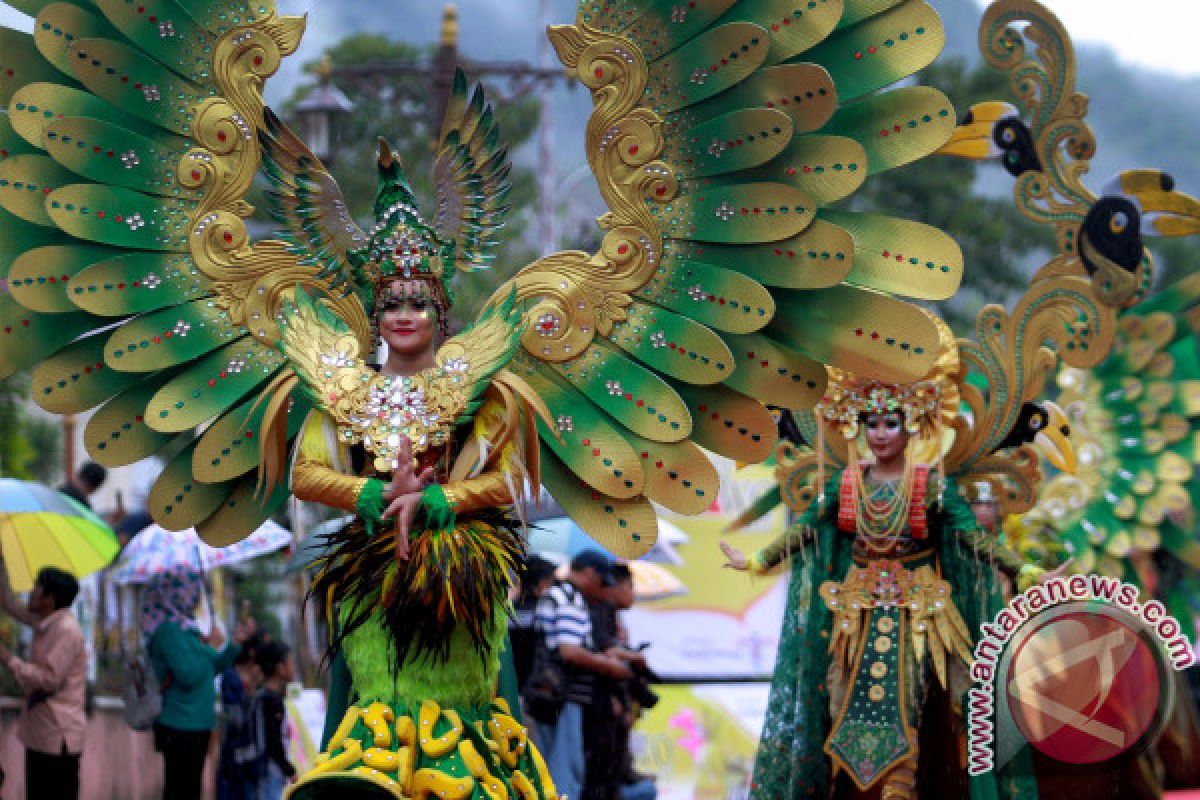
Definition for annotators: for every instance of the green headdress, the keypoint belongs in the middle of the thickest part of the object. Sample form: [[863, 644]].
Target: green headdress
[[401, 244]]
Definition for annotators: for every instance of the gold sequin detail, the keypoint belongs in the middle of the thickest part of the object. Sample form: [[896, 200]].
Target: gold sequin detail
[[883, 644], [886, 624], [876, 693], [878, 670]]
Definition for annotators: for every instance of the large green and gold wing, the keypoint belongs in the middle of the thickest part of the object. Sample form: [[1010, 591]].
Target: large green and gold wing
[[726, 138], [130, 138], [1136, 424]]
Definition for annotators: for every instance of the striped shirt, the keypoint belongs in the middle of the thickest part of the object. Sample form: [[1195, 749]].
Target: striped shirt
[[562, 617]]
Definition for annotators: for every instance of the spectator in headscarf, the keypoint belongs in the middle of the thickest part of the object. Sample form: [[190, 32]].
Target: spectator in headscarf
[[186, 662]]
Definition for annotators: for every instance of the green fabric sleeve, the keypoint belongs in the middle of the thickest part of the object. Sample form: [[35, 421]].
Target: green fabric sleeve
[[439, 514], [960, 521], [799, 532], [369, 505], [789, 542]]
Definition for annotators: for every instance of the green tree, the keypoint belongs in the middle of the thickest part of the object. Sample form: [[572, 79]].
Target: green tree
[[28, 444], [398, 111], [1001, 247]]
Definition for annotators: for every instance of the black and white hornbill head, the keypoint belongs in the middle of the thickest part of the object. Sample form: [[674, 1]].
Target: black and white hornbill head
[[1135, 204], [1045, 426], [995, 130]]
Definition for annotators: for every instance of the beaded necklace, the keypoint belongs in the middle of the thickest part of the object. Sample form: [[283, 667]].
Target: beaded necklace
[[882, 510]]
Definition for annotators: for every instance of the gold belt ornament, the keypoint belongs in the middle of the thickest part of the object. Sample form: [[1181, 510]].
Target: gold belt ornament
[[919, 595]]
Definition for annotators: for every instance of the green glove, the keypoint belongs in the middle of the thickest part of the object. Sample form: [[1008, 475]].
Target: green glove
[[369, 505], [439, 514]]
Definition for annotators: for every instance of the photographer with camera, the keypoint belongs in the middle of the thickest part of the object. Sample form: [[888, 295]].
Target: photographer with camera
[[568, 648], [608, 721]]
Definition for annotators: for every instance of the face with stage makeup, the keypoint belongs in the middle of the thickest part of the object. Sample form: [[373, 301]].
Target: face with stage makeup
[[886, 436], [408, 317]]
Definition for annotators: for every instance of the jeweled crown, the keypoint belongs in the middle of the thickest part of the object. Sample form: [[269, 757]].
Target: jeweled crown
[[401, 244]]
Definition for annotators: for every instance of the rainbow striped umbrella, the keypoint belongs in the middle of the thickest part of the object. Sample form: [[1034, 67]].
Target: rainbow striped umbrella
[[40, 527]]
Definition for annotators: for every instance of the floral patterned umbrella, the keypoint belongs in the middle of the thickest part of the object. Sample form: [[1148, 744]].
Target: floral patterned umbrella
[[156, 551]]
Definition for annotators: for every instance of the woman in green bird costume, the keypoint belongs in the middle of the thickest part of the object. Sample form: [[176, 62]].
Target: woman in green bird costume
[[417, 585], [890, 575]]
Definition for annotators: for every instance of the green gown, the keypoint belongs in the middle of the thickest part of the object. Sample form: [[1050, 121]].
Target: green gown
[[792, 760]]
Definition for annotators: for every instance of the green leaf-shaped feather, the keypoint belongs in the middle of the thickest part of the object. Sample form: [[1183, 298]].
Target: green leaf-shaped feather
[[714, 296], [39, 277], [76, 379], [900, 256], [824, 168], [40, 104], [23, 64], [768, 369], [137, 84], [27, 337], [11, 142], [737, 140], [110, 154], [630, 393], [138, 282], [242, 512], [859, 330], [178, 501], [820, 256], [712, 211], [673, 344], [59, 24], [795, 25], [117, 433], [677, 475], [121, 217], [626, 527], [730, 423], [169, 337], [164, 30], [229, 448], [804, 92], [211, 385], [17, 236], [880, 50], [896, 127], [25, 181], [585, 439], [706, 66]]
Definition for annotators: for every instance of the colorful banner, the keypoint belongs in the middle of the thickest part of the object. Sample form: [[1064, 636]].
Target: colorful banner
[[700, 740], [724, 624]]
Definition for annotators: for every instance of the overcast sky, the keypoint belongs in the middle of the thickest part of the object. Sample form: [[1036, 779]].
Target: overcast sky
[[1154, 33]]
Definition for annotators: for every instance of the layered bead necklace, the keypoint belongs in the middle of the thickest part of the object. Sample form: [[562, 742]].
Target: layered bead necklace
[[883, 510]]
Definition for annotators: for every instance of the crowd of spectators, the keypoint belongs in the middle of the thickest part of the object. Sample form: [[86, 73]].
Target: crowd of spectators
[[582, 684]]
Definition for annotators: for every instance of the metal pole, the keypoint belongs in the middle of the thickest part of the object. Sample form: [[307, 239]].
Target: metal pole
[[547, 224], [68, 423]]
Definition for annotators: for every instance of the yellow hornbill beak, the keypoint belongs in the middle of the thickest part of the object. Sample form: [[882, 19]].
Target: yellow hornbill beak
[[975, 135], [1053, 440], [1163, 210]]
